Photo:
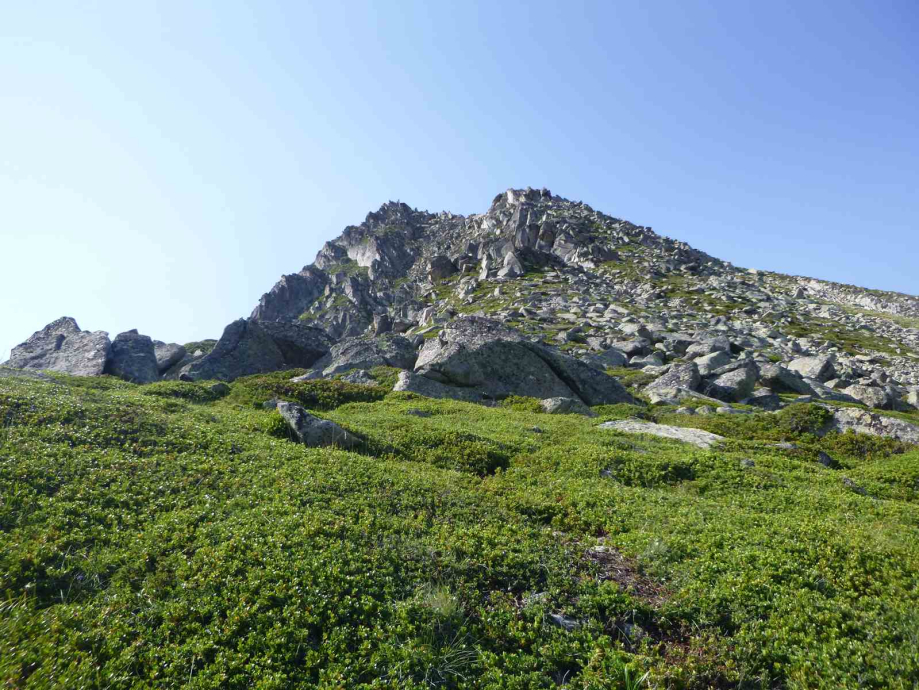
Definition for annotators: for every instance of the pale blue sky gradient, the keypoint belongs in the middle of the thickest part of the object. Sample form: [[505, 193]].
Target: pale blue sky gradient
[[162, 164]]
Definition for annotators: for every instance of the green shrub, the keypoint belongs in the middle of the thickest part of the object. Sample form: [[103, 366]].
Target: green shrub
[[184, 390], [319, 394], [521, 403]]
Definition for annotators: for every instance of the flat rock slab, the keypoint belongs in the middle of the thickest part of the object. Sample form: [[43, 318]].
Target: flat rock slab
[[697, 437]]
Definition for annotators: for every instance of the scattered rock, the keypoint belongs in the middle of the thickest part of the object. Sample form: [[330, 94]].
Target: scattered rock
[[697, 437], [565, 406], [315, 432], [819, 368]]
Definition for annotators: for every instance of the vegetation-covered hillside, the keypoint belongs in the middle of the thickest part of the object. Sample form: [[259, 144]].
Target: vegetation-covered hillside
[[168, 536]]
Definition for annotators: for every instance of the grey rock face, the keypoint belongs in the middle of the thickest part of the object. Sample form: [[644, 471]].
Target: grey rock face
[[735, 385], [363, 352], [764, 399], [697, 437], [708, 363], [680, 376], [819, 368], [243, 349], [610, 358], [784, 380], [167, 354], [479, 353], [429, 388], [441, 267], [300, 345], [62, 346], [315, 432], [565, 406], [864, 422], [872, 396], [133, 358]]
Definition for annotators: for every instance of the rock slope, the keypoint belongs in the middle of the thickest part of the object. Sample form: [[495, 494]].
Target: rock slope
[[569, 296]]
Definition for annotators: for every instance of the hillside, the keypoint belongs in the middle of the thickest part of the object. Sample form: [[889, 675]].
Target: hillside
[[530, 448]]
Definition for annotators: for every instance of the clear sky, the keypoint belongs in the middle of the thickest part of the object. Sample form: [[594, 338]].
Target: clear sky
[[162, 164]]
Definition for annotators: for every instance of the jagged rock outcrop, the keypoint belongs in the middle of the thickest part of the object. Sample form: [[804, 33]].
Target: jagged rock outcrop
[[133, 358], [62, 346]]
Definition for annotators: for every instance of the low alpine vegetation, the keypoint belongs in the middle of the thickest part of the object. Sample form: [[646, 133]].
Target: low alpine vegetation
[[170, 536]]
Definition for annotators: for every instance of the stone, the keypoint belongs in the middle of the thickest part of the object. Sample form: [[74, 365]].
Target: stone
[[632, 348], [565, 406], [611, 358], [783, 380], [696, 437], [733, 386], [706, 364], [708, 346], [411, 382], [219, 388], [864, 422], [478, 353], [440, 267], [641, 361], [300, 345], [359, 377], [826, 460], [872, 396], [764, 399], [243, 349], [167, 354], [314, 432], [819, 368], [133, 358], [62, 346], [365, 352], [680, 376]]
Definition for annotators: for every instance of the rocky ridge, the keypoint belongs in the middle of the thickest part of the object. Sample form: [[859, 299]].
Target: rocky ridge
[[555, 284]]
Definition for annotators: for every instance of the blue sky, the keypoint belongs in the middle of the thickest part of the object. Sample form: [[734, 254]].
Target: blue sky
[[162, 164]]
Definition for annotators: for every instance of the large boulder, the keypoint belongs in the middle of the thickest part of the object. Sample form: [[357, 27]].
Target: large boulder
[[565, 406], [243, 349], [133, 358], [679, 377], [495, 361], [167, 354], [872, 396], [864, 422], [365, 352], [314, 432], [300, 345], [733, 382], [610, 358], [441, 267], [819, 368], [710, 362], [62, 346], [410, 382], [783, 380]]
